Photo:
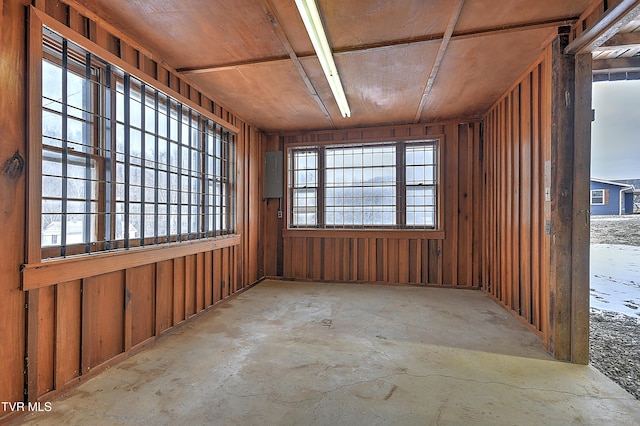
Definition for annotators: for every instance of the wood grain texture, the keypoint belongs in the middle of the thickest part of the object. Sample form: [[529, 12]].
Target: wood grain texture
[[529, 150], [83, 326], [445, 256], [164, 296], [384, 53], [514, 166], [84, 314], [179, 290], [51, 272], [103, 318], [190, 285], [127, 57], [46, 341], [68, 328], [562, 163], [580, 279], [141, 292], [88, 312], [12, 199]]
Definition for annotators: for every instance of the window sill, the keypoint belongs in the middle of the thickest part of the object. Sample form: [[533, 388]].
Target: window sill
[[50, 272], [408, 234]]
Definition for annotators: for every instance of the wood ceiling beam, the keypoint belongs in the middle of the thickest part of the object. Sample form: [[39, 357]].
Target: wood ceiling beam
[[234, 65], [442, 50], [514, 28], [605, 26], [621, 41], [616, 65], [272, 16], [389, 44]]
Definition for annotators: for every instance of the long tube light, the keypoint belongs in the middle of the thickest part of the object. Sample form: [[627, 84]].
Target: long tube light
[[312, 22]]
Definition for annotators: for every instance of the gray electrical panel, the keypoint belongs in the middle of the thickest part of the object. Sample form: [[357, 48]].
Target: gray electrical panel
[[273, 174]]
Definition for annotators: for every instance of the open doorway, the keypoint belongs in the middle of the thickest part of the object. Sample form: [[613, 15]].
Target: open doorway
[[615, 229]]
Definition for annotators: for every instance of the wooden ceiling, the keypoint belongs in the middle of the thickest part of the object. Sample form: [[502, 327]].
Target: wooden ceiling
[[619, 56], [401, 61]]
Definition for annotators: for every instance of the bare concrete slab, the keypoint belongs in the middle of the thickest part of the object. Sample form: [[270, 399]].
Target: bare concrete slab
[[286, 353]]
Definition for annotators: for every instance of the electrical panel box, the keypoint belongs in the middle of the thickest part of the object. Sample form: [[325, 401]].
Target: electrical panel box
[[273, 174]]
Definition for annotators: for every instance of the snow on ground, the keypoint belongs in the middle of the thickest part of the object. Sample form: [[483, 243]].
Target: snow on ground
[[615, 278]]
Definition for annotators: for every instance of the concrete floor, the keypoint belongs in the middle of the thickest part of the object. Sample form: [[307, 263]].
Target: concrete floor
[[287, 353]]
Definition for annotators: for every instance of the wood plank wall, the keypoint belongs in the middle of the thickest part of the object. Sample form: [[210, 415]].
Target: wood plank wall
[[76, 328], [448, 258], [12, 201], [85, 325], [271, 244], [515, 250]]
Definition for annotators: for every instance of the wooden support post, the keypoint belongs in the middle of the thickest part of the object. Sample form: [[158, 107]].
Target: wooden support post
[[581, 226], [570, 171], [562, 147]]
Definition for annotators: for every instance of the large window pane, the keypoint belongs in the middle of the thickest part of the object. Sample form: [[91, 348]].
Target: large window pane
[[421, 185], [123, 162], [364, 186], [420, 206], [305, 207], [304, 188], [359, 195]]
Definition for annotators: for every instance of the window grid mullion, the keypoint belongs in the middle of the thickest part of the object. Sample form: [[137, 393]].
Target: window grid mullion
[[196, 174], [156, 171], [143, 163], [217, 140], [205, 178], [436, 184], [127, 157], [220, 194], [225, 192], [109, 147], [229, 185], [232, 182], [401, 186], [87, 141], [168, 165], [65, 175], [201, 176], [189, 174], [320, 187], [179, 214]]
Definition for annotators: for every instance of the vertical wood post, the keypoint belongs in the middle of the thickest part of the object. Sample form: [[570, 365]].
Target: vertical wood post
[[581, 226], [570, 173], [13, 68], [562, 162]]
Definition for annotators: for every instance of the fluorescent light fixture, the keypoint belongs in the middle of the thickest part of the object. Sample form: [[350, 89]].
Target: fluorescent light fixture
[[311, 18]]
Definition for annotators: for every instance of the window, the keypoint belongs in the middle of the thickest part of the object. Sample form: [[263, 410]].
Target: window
[[599, 196], [382, 185], [124, 164], [304, 181]]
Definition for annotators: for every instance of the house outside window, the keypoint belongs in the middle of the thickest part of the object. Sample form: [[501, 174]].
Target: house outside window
[[598, 196], [378, 185]]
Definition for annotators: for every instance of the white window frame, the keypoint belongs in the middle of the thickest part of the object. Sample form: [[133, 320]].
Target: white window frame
[[602, 196]]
